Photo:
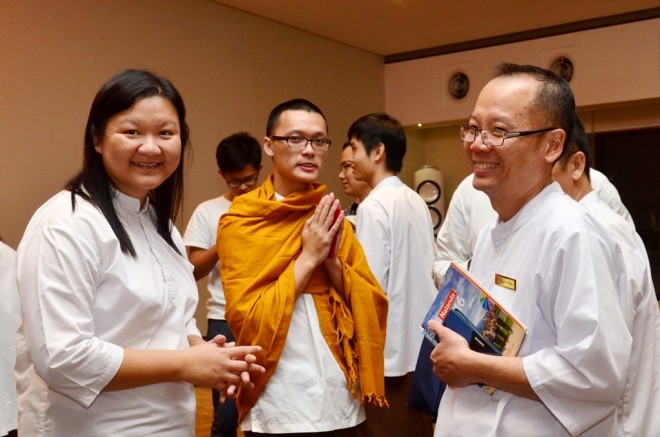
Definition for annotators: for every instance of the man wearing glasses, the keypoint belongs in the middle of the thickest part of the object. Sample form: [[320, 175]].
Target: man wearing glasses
[[548, 263], [239, 161], [319, 310], [351, 186]]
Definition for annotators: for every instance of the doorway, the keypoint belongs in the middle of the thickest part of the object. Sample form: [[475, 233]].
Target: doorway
[[631, 160]]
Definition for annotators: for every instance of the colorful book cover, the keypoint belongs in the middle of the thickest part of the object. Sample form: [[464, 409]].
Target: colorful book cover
[[460, 324], [490, 319]]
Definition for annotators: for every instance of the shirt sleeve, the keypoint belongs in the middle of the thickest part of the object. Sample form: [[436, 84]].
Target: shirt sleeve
[[373, 233], [198, 229], [58, 274], [580, 379], [452, 243]]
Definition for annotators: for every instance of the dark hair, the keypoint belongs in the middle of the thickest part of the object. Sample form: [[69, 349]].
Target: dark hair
[[237, 151], [93, 182], [346, 144], [554, 98], [291, 105], [376, 128], [579, 143]]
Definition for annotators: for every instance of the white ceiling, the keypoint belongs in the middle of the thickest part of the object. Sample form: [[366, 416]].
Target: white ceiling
[[394, 27]]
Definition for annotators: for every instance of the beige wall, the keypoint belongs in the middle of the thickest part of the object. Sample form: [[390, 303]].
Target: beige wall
[[230, 67], [613, 65]]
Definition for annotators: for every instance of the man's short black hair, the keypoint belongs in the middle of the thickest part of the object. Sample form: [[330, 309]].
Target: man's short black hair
[[237, 151], [378, 127], [291, 105], [554, 98]]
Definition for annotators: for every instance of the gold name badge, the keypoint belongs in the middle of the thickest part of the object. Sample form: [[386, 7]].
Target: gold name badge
[[505, 282]]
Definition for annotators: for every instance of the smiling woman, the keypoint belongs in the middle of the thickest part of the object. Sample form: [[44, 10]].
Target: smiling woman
[[120, 122], [141, 147], [108, 343]]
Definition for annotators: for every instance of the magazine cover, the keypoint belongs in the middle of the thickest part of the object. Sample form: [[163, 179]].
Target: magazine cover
[[491, 321], [460, 324]]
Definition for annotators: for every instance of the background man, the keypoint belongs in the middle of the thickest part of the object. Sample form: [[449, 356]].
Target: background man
[[321, 314], [239, 161], [641, 399], [394, 227], [547, 263], [352, 187]]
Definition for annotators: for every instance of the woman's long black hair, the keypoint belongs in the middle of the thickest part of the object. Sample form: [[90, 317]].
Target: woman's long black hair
[[93, 182]]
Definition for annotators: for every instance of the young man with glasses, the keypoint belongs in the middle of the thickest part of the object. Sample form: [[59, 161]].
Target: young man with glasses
[[548, 263], [239, 161], [321, 314]]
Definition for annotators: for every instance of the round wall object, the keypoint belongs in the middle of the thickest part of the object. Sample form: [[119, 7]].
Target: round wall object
[[458, 85], [430, 191], [436, 218], [562, 66]]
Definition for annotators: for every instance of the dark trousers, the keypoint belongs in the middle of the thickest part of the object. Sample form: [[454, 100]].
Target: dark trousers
[[225, 415], [397, 420]]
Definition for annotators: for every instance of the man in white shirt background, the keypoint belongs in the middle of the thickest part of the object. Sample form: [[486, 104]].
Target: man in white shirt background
[[636, 412], [395, 228]]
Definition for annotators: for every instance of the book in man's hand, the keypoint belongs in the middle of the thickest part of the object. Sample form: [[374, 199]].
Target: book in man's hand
[[467, 308], [457, 322]]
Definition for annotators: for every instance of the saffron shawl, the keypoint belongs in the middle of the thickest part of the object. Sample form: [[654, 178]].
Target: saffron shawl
[[259, 239]]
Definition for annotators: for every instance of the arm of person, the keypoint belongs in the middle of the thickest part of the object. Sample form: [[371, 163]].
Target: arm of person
[[468, 213], [206, 364], [333, 267], [452, 243], [200, 238], [203, 260], [61, 328], [459, 366]]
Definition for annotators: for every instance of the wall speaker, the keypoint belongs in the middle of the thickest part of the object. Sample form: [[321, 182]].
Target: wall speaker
[[563, 67], [458, 85], [430, 186]]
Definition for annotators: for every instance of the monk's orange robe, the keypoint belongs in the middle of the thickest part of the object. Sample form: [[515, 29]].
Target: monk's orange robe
[[259, 239]]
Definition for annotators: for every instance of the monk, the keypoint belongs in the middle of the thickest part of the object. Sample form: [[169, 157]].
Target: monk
[[319, 313]]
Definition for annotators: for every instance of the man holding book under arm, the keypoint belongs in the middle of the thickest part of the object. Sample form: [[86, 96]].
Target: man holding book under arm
[[548, 263]]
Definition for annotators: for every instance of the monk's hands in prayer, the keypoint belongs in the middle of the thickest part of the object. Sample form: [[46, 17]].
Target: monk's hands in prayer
[[449, 356], [220, 364], [320, 229]]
